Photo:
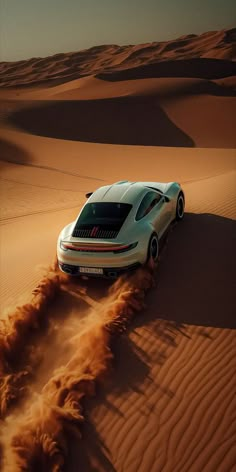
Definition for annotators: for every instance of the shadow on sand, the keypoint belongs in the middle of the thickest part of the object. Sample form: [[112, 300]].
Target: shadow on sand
[[203, 68], [91, 454], [11, 153], [197, 272], [124, 120]]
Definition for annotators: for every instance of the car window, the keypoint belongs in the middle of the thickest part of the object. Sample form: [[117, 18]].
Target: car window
[[149, 201], [105, 216], [104, 212]]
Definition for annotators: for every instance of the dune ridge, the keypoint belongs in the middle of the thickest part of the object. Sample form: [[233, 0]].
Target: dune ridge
[[178, 93], [217, 45]]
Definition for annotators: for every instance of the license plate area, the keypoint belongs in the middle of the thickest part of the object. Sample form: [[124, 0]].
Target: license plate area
[[91, 270]]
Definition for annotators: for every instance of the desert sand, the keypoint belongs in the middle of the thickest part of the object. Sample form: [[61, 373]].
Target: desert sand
[[138, 374]]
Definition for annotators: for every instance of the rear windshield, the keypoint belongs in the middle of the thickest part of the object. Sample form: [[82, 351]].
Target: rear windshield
[[104, 213]]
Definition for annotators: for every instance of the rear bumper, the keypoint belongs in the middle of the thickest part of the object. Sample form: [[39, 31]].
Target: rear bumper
[[103, 260], [108, 272]]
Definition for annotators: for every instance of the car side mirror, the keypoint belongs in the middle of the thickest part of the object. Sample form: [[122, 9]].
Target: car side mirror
[[167, 199], [87, 195]]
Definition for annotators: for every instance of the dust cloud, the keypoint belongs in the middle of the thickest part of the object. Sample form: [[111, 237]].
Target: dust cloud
[[37, 436]]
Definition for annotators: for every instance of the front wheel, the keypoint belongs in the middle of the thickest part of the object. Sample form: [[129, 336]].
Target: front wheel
[[180, 207], [153, 248]]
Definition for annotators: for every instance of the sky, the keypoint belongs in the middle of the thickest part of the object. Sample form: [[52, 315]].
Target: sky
[[39, 28]]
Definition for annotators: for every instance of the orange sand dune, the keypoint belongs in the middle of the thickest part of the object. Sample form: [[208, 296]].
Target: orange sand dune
[[163, 392], [216, 49], [188, 120], [163, 112], [174, 93]]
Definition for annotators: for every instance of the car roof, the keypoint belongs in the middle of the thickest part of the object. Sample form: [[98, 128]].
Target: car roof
[[123, 192]]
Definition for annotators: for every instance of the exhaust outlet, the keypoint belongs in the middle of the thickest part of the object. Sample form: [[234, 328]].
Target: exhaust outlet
[[66, 268], [112, 274]]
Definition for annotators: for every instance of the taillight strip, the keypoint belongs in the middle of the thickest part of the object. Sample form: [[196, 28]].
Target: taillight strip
[[93, 248]]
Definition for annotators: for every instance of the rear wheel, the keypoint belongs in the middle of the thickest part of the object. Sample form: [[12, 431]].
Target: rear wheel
[[153, 248], [180, 207]]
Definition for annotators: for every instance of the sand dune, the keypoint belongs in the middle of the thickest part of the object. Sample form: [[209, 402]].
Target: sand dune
[[218, 45], [156, 120], [200, 68], [103, 122], [163, 391], [164, 112], [174, 93]]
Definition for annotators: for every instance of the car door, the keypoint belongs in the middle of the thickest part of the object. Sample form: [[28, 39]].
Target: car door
[[153, 208], [159, 216]]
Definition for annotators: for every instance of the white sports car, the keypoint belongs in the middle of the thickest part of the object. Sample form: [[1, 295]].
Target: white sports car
[[119, 228]]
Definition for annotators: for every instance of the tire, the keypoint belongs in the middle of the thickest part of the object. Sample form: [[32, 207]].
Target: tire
[[153, 249], [180, 207]]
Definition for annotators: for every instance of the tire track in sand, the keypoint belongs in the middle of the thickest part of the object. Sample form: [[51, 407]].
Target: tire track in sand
[[41, 434]]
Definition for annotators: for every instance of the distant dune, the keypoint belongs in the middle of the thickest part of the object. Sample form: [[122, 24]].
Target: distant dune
[[107, 59], [164, 390], [175, 93]]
